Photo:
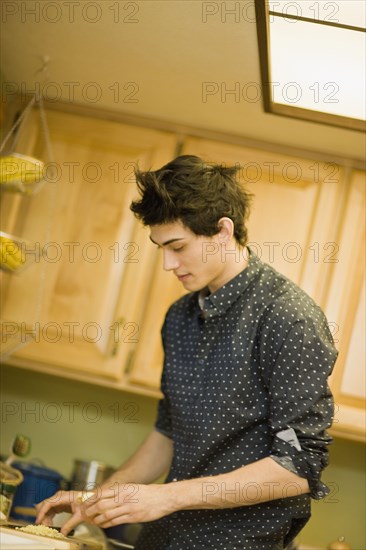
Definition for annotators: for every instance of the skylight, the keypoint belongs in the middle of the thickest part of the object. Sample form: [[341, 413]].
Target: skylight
[[313, 60]]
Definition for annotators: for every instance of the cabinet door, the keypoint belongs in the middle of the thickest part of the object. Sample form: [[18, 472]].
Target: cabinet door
[[286, 190], [283, 225], [346, 309], [308, 221], [147, 361], [78, 300]]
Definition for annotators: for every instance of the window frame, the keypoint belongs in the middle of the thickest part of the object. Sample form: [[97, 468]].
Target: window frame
[[262, 22]]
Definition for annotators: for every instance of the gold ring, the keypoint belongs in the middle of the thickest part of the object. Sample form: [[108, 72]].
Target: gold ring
[[82, 496]]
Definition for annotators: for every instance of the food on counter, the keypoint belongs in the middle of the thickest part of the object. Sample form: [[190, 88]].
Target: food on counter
[[12, 257], [42, 530]]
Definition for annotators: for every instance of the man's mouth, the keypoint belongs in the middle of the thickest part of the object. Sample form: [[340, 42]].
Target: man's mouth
[[183, 277]]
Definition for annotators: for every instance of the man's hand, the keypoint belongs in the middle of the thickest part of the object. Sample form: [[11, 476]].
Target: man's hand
[[150, 462], [62, 501], [128, 503]]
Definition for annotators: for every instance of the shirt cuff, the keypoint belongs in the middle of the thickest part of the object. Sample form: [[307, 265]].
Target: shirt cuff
[[318, 490], [163, 432]]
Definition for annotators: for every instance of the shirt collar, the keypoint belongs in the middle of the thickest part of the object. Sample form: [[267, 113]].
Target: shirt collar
[[219, 302]]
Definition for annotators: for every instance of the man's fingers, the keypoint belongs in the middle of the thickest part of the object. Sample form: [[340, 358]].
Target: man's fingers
[[119, 520], [90, 498], [59, 502], [112, 517], [99, 507], [71, 523], [43, 513]]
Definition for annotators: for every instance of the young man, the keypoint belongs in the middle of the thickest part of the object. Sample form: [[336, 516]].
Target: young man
[[241, 426]]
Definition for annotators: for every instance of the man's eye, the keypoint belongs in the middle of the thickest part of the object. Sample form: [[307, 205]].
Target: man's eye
[[178, 249]]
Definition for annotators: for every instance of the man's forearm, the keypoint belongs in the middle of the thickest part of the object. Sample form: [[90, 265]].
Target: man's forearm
[[147, 464], [260, 481]]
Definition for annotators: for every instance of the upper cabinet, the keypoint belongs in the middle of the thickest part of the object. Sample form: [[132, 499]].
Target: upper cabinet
[[83, 300], [308, 221], [95, 302], [345, 307], [290, 224], [147, 360]]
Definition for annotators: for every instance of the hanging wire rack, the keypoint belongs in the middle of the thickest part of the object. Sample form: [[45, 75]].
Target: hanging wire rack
[[18, 172], [17, 253]]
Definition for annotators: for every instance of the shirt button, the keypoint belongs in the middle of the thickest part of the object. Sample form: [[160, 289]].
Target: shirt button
[[320, 493], [201, 361]]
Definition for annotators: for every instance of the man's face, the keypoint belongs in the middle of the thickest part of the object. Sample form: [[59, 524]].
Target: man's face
[[196, 260]]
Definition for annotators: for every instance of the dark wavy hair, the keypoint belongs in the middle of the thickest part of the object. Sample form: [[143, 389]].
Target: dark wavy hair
[[195, 192]]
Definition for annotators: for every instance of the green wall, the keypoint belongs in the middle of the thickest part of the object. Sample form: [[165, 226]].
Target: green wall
[[342, 513], [67, 419]]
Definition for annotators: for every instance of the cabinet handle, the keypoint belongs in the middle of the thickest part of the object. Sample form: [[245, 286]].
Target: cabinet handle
[[116, 336], [129, 362]]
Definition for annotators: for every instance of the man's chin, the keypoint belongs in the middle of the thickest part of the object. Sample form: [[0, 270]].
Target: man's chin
[[190, 284]]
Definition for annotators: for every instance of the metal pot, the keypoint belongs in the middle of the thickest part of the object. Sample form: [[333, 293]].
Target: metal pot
[[89, 474]]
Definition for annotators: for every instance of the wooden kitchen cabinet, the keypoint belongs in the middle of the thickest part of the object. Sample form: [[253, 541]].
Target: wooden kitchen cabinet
[[346, 308], [147, 360], [308, 221], [84, 302], [304, 215], [279, 184], [289, 226]]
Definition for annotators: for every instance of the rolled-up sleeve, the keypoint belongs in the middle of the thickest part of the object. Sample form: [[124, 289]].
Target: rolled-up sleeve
[[296, 360]]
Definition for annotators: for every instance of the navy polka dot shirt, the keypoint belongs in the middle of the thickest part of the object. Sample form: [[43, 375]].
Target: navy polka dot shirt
[[245, 377]]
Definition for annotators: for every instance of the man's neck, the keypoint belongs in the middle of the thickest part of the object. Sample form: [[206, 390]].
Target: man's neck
[[235, 262]]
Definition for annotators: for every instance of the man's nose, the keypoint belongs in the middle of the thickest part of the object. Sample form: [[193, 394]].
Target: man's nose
[[170, 261]]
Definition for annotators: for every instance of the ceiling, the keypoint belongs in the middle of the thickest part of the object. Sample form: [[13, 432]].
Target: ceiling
[[172, 60]]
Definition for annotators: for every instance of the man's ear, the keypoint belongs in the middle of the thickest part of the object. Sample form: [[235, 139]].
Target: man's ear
[[226, 229]]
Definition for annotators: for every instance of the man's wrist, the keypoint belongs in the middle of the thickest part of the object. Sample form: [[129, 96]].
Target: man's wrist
[[184, 495]]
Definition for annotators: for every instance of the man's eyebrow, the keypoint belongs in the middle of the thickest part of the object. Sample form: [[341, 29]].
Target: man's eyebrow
[[167, 242]]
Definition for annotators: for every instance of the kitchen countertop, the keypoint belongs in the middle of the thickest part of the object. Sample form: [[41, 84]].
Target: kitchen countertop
[[84, 539]]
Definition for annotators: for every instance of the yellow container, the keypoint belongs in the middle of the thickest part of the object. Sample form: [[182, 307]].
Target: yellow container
[[21, 173]]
